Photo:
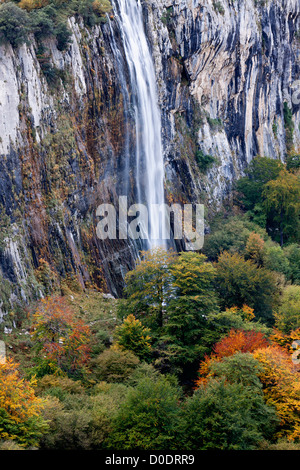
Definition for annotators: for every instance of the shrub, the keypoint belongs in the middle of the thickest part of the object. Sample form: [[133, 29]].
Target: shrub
[[48, 382], [101, 7], [133, 336], [115, 365], [148, 418], [14, 24], [226, 416], [82, 421], [293, 162], [42, 23], [63, 36], [30, 5]]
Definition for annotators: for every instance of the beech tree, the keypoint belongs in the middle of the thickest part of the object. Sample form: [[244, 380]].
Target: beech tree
[[61, 339], [133, 336], [237, 341], [149, 287], [287, 317], [20, 408]]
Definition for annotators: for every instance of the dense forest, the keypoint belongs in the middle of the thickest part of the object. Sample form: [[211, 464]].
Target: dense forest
[[200, 353]]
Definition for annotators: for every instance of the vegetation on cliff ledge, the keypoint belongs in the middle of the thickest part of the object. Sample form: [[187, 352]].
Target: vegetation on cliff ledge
[[19, 21]]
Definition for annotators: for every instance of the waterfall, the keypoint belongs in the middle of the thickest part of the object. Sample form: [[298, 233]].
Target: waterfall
[[149, 172]]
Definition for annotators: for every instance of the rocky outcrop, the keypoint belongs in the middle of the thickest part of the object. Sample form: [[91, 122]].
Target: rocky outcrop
[[224, 70], [236, 63]]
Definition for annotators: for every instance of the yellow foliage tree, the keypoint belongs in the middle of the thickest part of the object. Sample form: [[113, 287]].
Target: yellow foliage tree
[[20, 408], [281, 385], [133, 336]]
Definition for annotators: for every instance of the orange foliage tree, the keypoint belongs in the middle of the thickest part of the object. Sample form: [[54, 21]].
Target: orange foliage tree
[[236, 341], [61, 339], [20, 409], [285, 340], [254, 248]]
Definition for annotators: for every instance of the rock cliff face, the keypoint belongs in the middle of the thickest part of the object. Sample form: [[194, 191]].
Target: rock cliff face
[[224, 71]]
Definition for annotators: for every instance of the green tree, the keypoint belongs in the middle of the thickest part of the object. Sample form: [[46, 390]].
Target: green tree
[[282, 205], [148, 419], [226, 416], [42, 22], [63, 35], [149, 287], [194, 299], [293, 163], [231, 235], [275, 259], [260, 170], [241, 282], [239, 368]]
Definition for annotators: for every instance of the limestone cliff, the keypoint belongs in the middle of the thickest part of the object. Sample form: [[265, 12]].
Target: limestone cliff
[[224, 71]]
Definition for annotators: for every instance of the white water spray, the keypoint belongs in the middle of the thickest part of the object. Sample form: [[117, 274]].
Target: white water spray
[[149, 154]]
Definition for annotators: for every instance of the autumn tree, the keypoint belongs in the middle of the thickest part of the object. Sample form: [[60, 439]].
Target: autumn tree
[[20, 408], [237, 341], [227, 415], [250, 188], [133, 336], [287, 316], [60, 337], [255, 248], [148, 418]]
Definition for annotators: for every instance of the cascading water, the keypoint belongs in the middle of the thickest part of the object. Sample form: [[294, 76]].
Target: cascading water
[[149, 174]]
